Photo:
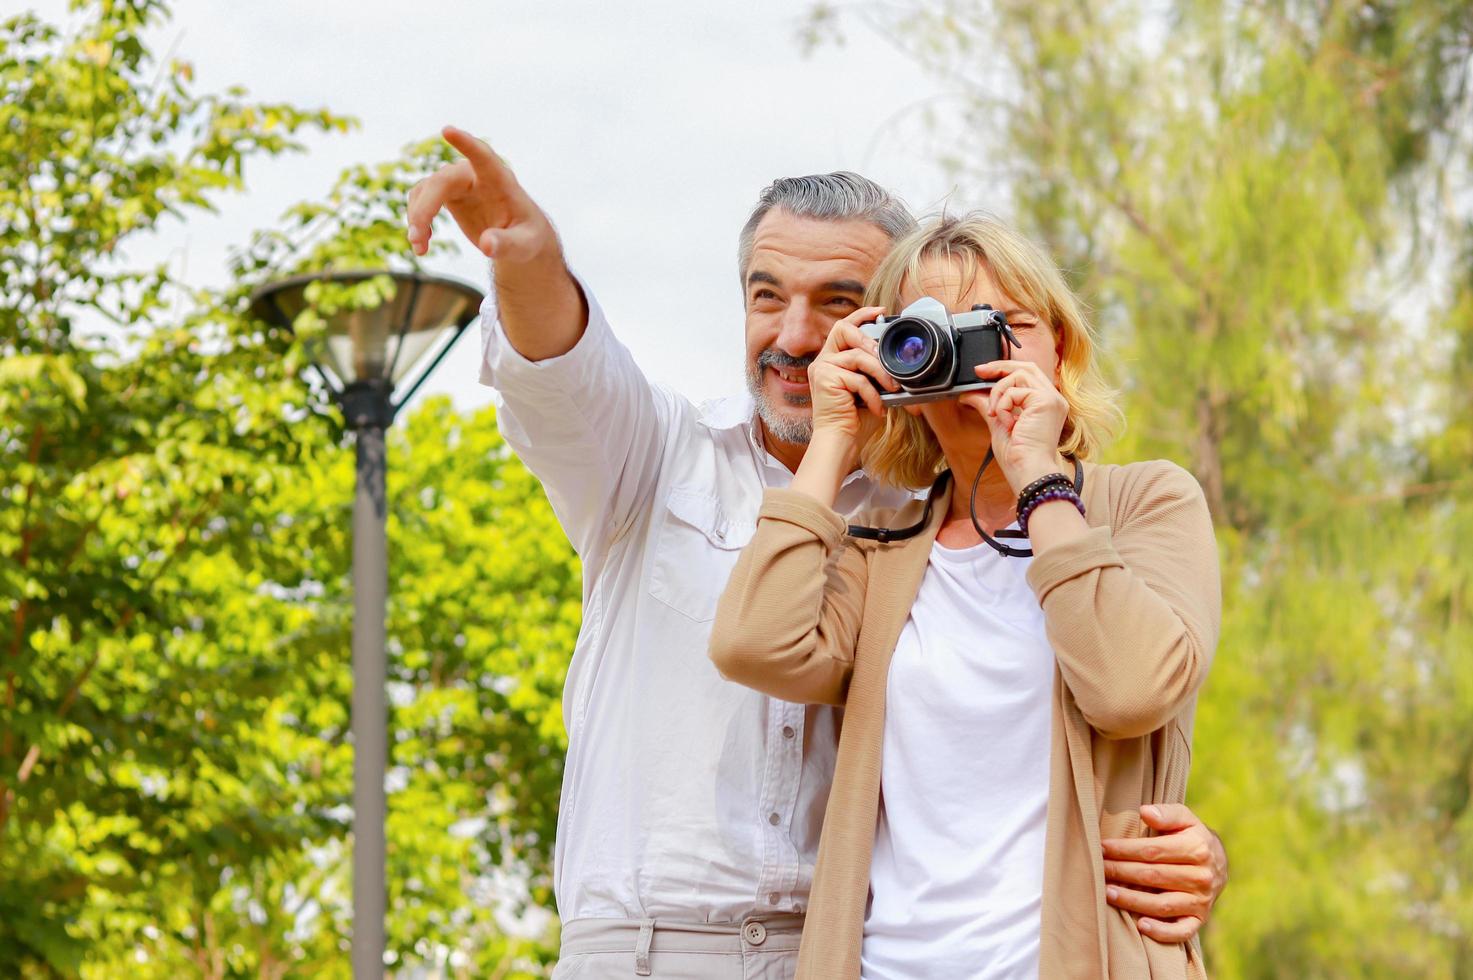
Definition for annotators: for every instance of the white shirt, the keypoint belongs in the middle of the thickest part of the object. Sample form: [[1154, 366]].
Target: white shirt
[[684, 796], [957, 874]]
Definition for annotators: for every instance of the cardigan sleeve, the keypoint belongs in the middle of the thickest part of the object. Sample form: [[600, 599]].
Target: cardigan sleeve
[[789, 619], [1133, 614]]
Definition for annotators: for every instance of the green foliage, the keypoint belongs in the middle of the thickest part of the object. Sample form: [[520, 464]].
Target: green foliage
[[102, 143], [174, 603], [1268, 206]]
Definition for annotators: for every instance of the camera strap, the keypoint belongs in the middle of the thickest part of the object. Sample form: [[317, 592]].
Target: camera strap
[[888, 534], [884, 535], [1007, 551]]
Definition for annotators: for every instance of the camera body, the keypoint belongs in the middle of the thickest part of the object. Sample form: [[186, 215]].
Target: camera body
[[933, 353]]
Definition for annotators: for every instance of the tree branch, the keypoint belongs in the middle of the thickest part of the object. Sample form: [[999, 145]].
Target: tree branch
[[1409, 492]]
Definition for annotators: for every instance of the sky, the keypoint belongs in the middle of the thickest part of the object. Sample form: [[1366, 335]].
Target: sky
[[645, 130]]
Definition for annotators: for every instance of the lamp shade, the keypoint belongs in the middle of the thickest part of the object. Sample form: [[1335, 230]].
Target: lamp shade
[[374, 342]]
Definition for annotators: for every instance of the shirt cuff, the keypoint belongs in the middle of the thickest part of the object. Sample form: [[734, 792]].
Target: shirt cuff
[[1092, 550], [504, 368], [796, 507]]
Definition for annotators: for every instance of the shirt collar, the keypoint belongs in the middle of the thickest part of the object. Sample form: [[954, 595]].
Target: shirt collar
[[741, 410]]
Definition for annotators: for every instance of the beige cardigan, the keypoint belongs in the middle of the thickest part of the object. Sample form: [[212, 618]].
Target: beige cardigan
[[1132, 611]]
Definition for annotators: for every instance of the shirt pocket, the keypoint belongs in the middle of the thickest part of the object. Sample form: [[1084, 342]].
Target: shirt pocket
[[696, 547]]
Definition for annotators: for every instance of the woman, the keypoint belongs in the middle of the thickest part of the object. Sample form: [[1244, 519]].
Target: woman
[[1004, 712]]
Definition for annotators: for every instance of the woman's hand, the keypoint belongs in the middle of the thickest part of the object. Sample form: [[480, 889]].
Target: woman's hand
[[1025, 414], [845, 375], [841, 378]]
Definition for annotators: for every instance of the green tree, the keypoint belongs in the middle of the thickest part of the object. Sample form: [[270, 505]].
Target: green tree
[[121, 474], [174, 498], [1261, 201]]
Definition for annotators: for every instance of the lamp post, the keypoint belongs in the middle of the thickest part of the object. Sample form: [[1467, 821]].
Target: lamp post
[[370, 351]]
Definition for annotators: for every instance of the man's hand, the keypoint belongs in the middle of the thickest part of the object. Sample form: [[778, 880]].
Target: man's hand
[[1170, 881], [541, 308], [485, 200]]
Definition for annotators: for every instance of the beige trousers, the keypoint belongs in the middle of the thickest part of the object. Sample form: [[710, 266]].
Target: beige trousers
[[758, 948]]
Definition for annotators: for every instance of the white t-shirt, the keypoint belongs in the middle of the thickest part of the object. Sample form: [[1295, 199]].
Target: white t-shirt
[[957, 875]]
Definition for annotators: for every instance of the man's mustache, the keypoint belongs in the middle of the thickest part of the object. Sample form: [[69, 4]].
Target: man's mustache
[[772, 357]]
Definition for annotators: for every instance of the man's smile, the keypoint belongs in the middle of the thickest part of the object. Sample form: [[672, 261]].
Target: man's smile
[[792, 381]]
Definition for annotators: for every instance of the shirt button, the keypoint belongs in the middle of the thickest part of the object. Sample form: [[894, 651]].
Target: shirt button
[[774, 819], [788, 731], [773, 898], [754, 933]]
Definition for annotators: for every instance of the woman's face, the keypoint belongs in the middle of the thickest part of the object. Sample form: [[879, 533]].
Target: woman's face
[[941, 277]]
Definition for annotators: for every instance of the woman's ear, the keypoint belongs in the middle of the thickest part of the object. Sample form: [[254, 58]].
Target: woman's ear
[[913, 410]]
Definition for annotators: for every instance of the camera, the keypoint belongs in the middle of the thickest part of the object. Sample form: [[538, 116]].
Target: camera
[[932, 353]]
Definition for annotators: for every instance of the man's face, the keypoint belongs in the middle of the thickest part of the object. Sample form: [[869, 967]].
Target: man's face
[[804, 275]]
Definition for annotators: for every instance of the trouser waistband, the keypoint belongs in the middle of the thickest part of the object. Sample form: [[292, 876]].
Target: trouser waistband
[[768, 933]]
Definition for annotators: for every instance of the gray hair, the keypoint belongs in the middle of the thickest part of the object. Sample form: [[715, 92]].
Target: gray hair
[[839, 196]]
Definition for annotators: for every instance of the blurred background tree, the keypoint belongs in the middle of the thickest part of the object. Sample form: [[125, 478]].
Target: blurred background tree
[[174, 513], [1270, 207]]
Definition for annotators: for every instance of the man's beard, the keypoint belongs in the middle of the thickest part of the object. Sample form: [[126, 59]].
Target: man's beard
[[783, 428]]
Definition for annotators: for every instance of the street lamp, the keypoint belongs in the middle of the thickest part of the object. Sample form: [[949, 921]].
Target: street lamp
[[371, 349]]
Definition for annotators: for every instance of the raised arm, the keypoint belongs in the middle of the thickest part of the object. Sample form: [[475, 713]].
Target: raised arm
[[573, 404], [542, 309], [789, 619], [1133, 614]]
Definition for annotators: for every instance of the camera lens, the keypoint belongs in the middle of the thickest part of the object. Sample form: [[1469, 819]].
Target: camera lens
[[915, 352], [911, 350]]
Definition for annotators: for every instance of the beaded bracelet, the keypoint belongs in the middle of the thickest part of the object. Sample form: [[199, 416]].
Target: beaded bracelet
[[1065, 492], [1038, 486]]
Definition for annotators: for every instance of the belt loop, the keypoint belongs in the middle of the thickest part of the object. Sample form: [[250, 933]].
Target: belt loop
[[642, 948]]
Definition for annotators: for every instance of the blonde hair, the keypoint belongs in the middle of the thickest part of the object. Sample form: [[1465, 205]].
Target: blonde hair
[[905, 453]]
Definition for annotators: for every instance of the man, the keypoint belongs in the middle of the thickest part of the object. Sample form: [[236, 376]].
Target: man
[[691, 807]]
